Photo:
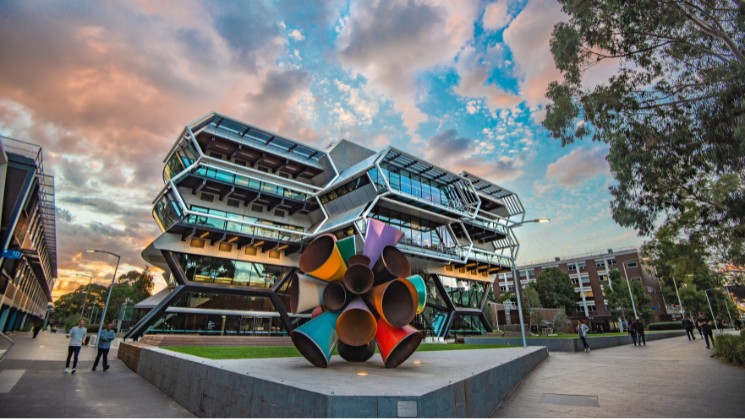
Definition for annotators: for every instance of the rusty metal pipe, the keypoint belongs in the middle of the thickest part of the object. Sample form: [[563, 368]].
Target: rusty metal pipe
[[334, 295], [356, 353], [391, 264], [305, 293], [356, 325], [358, 279], [393, 302], [359, 260], [322, 259], [396, 344]]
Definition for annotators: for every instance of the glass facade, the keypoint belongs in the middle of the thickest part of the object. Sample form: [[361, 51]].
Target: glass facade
[[236, 227], [261, 317], [418, 232], [422, 188], [214, 270], [250, 183], [464, 293], [345, 189], [184, 156], [166, 211]]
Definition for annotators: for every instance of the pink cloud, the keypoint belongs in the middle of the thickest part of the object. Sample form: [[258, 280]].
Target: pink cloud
[[578, 166]]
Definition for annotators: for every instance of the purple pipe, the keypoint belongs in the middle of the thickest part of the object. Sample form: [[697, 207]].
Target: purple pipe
[[378, 236]]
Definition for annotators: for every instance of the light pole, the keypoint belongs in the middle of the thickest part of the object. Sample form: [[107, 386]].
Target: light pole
[[713, 318], [678, 294], [90, 279], [108, 297], [633, 304], [515, 280]]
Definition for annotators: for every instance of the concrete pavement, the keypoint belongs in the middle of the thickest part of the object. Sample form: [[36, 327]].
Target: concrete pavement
[[667, 378], [33, 384]]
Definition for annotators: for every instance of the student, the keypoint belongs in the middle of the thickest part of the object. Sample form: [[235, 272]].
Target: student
[[582, 330], [706, 329], [76, 335], [632, 332], [688, 326], [104, 344], [638, 327]]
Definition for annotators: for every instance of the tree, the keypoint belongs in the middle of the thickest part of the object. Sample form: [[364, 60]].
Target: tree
[[673, 114], [619, 301], [70, 305], [530, 302], [555, 290], [508, 295]]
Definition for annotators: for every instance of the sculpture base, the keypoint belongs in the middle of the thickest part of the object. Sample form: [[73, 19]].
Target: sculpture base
[[464, 383]]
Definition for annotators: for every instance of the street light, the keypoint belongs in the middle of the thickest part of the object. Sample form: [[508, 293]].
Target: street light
[[713, 318], [86, 292], [514, 278], [108, 297], [633, 304]]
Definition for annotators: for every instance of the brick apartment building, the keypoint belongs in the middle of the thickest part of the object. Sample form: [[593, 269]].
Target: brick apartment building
[[589, 273]]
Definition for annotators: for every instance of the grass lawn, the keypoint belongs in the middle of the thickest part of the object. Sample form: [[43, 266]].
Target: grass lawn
[[243, 352], [595, 335]]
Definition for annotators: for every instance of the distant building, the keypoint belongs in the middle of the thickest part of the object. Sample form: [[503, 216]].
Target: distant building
[[28, 263], [240, 204], [589, 273]]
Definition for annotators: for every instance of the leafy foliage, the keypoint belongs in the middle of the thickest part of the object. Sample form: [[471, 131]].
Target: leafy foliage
[[619, 300], [555, 290], [673, 114], [130, 288]]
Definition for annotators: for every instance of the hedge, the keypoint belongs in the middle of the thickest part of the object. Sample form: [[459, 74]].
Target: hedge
[[666, 326], [731, 348]]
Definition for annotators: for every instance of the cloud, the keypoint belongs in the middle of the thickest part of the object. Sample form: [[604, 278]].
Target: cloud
[[528, 38], [390, 43], [474, 70], [496, 15], [455, 153], [578, 166]]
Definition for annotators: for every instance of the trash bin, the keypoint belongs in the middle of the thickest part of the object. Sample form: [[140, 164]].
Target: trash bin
[[87, 339]]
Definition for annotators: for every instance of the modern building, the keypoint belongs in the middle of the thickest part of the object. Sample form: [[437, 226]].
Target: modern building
[[28, 263], [589, 274], [240, 203]]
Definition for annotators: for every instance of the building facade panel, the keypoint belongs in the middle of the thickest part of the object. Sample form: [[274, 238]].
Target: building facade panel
[[28, 263]]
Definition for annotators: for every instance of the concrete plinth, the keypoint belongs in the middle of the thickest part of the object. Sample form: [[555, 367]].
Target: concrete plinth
[[465, 383], [571, 344]]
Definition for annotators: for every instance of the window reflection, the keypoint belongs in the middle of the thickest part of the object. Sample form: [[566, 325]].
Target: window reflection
[[229, 272]]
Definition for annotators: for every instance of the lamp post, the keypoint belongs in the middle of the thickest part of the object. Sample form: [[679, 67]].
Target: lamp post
[[108, 297], [713, 318], [90, 279], [633, 304], [515, 280]]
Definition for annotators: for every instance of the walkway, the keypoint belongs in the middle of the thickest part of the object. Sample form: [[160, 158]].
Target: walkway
[[33, 384], [666, 378]]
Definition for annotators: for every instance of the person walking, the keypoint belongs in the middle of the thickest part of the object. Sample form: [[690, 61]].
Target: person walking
[[37, 327], [706, 329], [582, 330], [632, 332], [104, 344], [76, 335], [688, 326], [699, 322], [638, 327]]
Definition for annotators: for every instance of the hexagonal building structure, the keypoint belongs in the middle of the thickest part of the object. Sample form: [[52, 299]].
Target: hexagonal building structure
[[240, 203]]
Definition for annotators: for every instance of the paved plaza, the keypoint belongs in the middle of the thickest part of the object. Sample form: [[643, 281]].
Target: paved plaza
[[666, 378], [33, 384]]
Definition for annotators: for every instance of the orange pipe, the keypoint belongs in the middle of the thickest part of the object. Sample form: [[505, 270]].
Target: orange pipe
[[322, 259], [393, 301]]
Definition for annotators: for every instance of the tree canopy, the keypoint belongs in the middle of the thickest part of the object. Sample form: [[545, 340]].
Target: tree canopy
[[673, 114], [130, 288], [619, 300], [555, 290]]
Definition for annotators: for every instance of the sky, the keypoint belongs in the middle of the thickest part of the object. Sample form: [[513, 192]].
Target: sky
[[106, 88]]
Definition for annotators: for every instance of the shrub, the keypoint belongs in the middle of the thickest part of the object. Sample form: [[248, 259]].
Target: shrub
[[666, 326], [730, 348]]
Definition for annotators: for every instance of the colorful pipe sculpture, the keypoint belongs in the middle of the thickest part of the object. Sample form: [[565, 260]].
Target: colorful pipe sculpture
[[370, 299]]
